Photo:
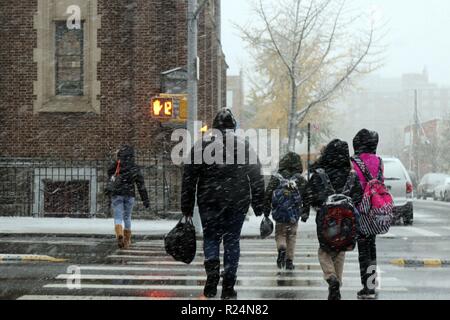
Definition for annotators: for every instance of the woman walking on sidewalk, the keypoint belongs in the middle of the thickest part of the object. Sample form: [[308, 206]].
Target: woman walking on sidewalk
[[126, 175], [285, 197]]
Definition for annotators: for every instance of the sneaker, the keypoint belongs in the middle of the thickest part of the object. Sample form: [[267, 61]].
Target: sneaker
[[290, 265], [367, 294], [333, 289], [281, 260]]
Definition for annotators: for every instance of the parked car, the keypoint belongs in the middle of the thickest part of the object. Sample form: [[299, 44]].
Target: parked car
[[428, 183], [399, 183], [442, 191]]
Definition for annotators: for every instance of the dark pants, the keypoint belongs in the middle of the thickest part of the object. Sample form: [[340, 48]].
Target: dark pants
[[226, 226], [367, 250]]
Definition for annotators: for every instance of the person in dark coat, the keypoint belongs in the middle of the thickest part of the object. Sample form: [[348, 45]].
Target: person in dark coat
[[335, 161], [224, 193], [123, 196], [290, 168], [365, 145]]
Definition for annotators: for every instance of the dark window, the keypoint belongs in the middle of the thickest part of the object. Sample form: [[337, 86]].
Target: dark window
[[69, 60], [66, 197]]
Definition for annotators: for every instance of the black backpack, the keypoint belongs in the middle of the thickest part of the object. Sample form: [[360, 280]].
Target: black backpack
[[337, 218]]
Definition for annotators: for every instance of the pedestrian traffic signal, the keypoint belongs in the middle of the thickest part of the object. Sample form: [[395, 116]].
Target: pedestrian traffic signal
[[162, 108]]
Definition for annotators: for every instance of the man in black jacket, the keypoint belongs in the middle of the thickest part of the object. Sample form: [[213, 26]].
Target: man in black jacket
[[128, 174], [225, 190]]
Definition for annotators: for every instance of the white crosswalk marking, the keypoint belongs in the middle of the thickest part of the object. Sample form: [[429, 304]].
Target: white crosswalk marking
[[423, 232], [145, 272]]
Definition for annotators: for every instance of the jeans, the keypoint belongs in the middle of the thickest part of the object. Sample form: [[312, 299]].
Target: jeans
[[122, 207], [226, 226], [367, 251]]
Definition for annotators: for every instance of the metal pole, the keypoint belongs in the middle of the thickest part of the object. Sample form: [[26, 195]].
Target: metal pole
[[193, 78], [309, 148], [416, 136], [192, 68]]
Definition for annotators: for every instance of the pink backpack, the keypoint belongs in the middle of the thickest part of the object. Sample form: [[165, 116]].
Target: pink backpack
[[377, 205]]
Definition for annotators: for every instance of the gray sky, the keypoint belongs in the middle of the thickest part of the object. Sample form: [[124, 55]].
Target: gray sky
[[418, 35]]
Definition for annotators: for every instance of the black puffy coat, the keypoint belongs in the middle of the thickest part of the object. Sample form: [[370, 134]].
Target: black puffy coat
[[223, 187], [290, 167], [130, 175]]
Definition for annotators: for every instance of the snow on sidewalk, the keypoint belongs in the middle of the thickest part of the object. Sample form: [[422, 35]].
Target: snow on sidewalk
[[60, 226]]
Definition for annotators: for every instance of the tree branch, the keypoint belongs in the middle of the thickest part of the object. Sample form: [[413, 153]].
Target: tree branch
[[327, 50], [301, 115], [274, 42]]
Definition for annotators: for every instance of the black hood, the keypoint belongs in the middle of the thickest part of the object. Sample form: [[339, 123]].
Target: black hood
[[126, 154], [224, 121], [365, 141], [291, 164], [336, 155]]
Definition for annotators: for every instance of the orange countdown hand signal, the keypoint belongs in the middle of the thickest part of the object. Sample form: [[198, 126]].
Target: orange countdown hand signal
[[162, 108]]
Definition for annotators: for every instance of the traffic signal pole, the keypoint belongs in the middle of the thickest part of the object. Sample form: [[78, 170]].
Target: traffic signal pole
[[193, 77], [192, 68]]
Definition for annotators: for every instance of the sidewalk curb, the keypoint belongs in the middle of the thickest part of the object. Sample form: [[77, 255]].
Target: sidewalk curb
[[29, 258], [429, 263], [139, 237]]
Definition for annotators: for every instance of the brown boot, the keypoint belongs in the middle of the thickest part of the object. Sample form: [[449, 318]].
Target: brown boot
[[119, 235], [127, 238]]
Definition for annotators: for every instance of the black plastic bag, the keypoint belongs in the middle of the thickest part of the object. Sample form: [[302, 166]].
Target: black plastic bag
[[266, 227], [181, 242]]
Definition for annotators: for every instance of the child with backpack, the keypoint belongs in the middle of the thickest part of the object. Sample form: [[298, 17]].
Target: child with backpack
[[284, 198], [376, 207], [333, 191]]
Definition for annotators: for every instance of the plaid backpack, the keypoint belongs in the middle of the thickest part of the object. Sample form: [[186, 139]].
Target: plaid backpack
[[377, 205]]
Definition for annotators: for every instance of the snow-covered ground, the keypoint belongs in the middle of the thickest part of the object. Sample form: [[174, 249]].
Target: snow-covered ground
[[59, 226]]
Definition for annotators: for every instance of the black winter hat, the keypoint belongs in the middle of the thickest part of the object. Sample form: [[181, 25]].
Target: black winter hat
[[291, 162], [224, 120], [126, 153], [366, 141], [335, 155]]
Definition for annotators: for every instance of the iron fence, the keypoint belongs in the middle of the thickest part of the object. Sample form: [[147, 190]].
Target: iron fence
[[75, 188]]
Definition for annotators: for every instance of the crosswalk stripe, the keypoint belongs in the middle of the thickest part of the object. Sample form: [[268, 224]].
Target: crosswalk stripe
[[200, 270], [150, 258], [424, 232], [200, 263], [191, 288], [202, 278], [243, 252]]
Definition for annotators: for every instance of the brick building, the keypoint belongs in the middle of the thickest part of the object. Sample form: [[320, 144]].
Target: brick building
[[77, 94]]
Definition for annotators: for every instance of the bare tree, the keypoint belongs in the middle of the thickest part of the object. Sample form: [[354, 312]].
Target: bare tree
[[316, 47]]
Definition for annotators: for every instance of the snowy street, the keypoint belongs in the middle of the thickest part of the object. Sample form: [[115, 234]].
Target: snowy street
[[144, 271]]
